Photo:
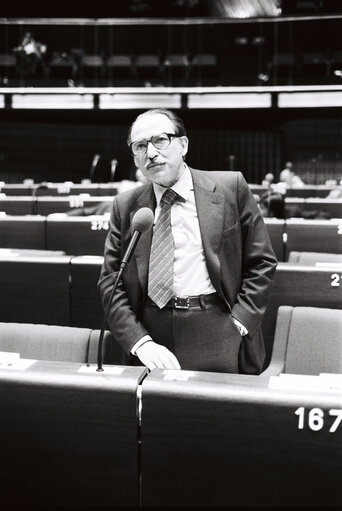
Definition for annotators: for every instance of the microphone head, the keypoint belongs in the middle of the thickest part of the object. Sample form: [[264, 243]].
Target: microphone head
[[142, 220]]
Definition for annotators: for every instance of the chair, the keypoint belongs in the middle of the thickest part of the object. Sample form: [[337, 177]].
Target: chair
[[176, 68], [283, 67], [91, 68], [62, 67], [314, 67], [148, 67], [311, 258], [8, 67], [336, 66], [57, 343], [308, 340], [203, 69], [119, 69]]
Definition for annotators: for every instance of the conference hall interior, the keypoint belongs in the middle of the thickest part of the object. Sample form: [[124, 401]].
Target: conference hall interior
[[258, 85]]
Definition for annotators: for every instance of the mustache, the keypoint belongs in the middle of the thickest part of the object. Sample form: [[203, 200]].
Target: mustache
[[150, 164]]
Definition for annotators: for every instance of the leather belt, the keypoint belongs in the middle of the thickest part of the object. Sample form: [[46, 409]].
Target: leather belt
[[187, 302]]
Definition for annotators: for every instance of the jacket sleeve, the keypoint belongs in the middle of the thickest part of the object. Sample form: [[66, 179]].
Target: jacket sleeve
[[258, 262], [122, 320]]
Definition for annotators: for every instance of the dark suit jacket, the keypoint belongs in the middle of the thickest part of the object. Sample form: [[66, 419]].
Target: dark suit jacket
[[237, 249]]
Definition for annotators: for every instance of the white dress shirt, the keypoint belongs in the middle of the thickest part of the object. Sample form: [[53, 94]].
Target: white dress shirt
[[191, 277]]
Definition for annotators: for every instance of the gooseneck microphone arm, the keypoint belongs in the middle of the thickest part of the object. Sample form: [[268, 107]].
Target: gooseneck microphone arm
[[142, 221]]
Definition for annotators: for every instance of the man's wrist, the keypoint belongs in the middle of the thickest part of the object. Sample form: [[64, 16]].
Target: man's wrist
[[139, 343]]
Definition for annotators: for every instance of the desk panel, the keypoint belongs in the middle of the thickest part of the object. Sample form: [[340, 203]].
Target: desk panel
[[77, 235], [314, 235], [17, 205], [35, 289], [26, 231], [300, 285], [86, 306], [70, 438], [331, 206], [227, 440], [276, 229], [310, 191], [47, 205]]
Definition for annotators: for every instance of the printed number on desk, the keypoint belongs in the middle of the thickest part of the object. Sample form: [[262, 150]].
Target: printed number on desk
[[97, 225], [335, 280], [315, 418], [75, 202]]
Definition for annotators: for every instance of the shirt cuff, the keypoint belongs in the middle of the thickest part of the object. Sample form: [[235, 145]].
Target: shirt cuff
[[140, 343], [242, 329]]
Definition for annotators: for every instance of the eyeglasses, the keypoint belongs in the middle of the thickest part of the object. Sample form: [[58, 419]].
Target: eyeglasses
[[161, 141]]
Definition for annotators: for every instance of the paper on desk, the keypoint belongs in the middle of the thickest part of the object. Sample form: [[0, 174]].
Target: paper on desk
[[305, 382], [13, 361]]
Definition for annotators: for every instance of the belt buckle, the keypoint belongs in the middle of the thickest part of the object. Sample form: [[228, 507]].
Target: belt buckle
[[181, 303]]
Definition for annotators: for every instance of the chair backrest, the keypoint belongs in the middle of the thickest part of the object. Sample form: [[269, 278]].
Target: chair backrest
[[311, 258], [308, 340], [45, 342], [58, 343]]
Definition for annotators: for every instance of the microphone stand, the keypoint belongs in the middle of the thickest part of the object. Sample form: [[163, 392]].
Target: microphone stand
[[124, 263]]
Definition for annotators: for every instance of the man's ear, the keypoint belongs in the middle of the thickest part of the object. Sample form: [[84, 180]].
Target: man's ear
[[185, 143]]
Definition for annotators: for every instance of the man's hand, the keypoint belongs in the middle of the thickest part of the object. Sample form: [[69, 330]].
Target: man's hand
[[155, 356]]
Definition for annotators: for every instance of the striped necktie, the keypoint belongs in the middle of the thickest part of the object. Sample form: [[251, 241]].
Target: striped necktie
[[160, 280]]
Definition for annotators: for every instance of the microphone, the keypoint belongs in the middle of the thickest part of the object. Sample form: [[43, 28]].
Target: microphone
[[42, 186], [93, 166], [113, 165], [141, 222]]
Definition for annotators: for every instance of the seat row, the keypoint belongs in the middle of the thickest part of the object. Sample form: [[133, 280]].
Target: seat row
[[62, 290], [125, 438], [85, 235]]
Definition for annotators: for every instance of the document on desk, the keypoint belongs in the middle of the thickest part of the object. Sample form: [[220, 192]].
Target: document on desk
[[327, 383], [9, 360]]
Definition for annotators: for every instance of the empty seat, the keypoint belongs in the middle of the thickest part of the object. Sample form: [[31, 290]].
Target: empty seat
[[176, 68], [283, 67], [8, 65], [91, 68], [62, 67], [119, 70], [314, 67], [57, 343], [308, 340], [203, 69], [148, 67]]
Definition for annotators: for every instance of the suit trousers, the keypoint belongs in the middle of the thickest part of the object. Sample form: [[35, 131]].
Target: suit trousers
[[203, 338]]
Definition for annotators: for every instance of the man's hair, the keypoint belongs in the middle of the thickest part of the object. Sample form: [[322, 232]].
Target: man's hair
[[177, 122]]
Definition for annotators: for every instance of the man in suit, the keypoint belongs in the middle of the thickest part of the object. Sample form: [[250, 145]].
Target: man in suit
[[216, 289]]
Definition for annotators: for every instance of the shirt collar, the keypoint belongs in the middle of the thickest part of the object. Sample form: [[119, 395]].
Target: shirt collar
[[183, 186]]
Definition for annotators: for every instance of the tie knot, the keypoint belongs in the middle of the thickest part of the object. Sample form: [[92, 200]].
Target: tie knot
[[169, 197]]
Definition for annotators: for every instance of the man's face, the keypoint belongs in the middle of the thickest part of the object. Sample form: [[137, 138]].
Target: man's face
[[161, 166]]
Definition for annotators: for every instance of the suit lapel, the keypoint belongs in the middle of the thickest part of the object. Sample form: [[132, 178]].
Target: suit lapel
[[210, 210], [142, 252]]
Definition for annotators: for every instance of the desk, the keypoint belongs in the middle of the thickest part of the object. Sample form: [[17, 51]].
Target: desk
[[77, 235], [331, 206], [34, 289], [314, 235], [47, 205], [61, 189], [69, 438], [229, 440], [22, 231], [86, 306], [300, 285], [17, 205], [276, 230]]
